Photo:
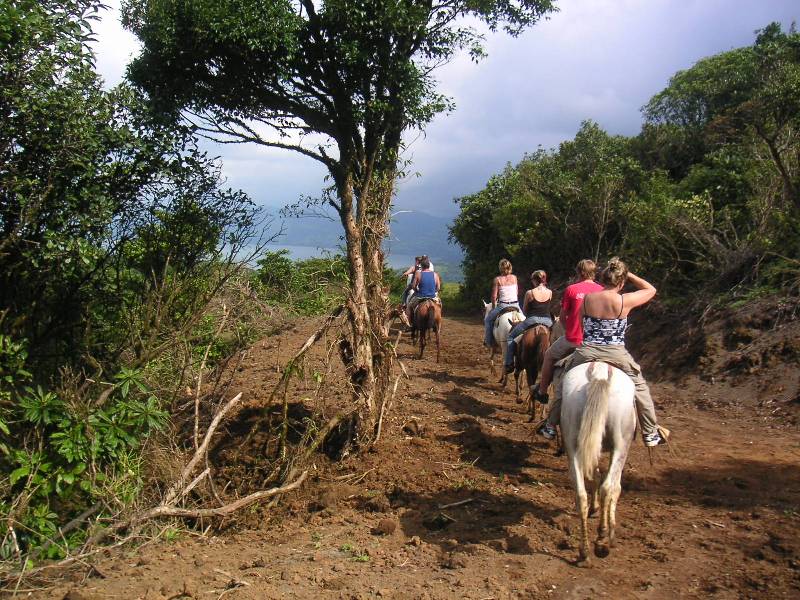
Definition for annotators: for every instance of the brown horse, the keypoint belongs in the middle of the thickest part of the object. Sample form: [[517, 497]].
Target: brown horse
[[427, 317], [529, 357]]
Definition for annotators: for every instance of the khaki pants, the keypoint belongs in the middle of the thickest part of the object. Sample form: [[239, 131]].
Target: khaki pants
[[558, 352], [617, 356]]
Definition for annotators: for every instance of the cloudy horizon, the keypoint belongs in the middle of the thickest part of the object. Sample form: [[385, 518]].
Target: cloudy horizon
[[598, 60]]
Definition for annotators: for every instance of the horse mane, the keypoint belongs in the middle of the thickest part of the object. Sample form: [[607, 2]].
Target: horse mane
[[593, 422]]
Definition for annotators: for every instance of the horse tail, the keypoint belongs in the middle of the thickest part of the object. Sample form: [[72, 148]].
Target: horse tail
[[431, 316], [593, 422]]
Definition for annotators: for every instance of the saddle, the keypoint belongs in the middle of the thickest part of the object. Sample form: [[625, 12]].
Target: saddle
[[518, 339], [504, 310], [422, 301]]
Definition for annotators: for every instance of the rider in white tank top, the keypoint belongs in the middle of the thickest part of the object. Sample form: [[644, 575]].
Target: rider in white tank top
[[507, 294]]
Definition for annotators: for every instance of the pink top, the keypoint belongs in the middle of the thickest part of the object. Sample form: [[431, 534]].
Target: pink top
[[508, 294], [571, 309]]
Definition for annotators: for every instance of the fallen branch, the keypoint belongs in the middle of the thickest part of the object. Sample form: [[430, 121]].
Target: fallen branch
[[197, 513], [452, 504], [176, 489], [168, 510]]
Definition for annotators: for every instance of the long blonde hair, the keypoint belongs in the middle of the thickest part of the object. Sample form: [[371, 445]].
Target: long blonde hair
[[505, 267]]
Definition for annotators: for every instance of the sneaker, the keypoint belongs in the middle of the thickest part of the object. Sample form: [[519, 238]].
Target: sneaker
[[547, 431], [658, 437], [541, 398]]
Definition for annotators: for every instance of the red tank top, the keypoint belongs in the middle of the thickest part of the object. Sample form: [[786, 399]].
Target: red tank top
[[571, 309]]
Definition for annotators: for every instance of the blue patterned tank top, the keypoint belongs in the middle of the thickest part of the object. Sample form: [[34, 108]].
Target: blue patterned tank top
[[604, 332]]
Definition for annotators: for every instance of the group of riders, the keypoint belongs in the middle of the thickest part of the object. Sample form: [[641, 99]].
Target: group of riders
[[594, 314]]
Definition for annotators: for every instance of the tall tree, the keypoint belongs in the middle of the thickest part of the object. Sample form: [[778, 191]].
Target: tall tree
[[338, 81]]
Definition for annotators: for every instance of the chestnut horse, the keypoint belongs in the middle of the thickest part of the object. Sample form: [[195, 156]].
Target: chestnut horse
[[529, 358], [427, 317]]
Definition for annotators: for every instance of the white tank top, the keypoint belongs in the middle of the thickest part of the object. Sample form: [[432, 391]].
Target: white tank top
[[508, 294]]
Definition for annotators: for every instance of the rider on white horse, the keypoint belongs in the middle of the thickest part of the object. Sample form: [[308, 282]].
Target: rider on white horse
[[505, 294], [605, 319]]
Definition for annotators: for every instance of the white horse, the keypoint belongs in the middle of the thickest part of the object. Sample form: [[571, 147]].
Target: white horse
[[503, 324], [597, 414]]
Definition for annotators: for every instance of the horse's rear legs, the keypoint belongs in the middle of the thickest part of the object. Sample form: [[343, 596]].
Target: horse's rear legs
[[582, 505], [609, 495]]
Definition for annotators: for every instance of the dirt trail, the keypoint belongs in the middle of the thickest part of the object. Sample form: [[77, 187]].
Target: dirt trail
[[719, 519]]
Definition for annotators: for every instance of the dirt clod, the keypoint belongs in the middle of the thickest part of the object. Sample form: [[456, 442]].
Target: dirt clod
[[385, 527]]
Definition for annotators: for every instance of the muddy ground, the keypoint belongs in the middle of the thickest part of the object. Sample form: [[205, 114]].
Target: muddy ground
[[718, 518]]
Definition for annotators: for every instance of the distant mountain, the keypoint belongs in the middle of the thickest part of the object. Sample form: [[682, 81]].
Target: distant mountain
[[412, 234]]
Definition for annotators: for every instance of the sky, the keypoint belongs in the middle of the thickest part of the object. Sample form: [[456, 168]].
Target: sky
[[600, 60]]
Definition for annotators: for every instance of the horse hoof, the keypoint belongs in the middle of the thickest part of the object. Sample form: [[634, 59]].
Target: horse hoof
[[583, 563], [601, 549]]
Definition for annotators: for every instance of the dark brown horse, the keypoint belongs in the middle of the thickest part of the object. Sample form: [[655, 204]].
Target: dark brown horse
[[529, 357], [427, 317]]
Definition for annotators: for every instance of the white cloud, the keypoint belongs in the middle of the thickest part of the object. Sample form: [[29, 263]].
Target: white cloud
[[595, 59], [115, 46]]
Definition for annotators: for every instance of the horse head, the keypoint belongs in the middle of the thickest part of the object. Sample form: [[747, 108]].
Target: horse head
[[487, 306]]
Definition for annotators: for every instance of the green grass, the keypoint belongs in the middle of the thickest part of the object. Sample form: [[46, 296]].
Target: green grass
[[452, 298]]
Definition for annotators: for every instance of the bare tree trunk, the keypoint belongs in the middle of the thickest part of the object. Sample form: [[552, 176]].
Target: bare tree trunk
[[367, 356], [357, 352]]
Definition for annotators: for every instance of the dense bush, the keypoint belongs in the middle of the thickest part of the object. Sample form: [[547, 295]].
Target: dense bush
[[310, 287], [116, 240]]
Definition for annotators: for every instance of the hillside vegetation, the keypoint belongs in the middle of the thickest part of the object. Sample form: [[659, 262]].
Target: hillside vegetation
[[706, 198]]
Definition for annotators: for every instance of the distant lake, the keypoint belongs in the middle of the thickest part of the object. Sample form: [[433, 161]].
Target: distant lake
[[396, 261]]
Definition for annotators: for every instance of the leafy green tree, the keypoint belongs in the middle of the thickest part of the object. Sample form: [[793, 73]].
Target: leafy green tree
[[750, 93], [550, 210], [114, 235], [338, 81], [97, 194]]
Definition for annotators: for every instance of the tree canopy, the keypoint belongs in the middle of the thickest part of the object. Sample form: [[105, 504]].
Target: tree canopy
[[704, 198]]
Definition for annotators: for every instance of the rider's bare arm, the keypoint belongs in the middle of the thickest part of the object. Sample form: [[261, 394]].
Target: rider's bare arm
[[643, 294], [495, 291], [417, 279], [438, 282], [409, 271]]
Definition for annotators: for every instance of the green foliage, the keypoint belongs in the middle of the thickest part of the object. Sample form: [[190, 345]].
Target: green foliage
[[115, 234], [705, 198], [72, 450], [312, 286]]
